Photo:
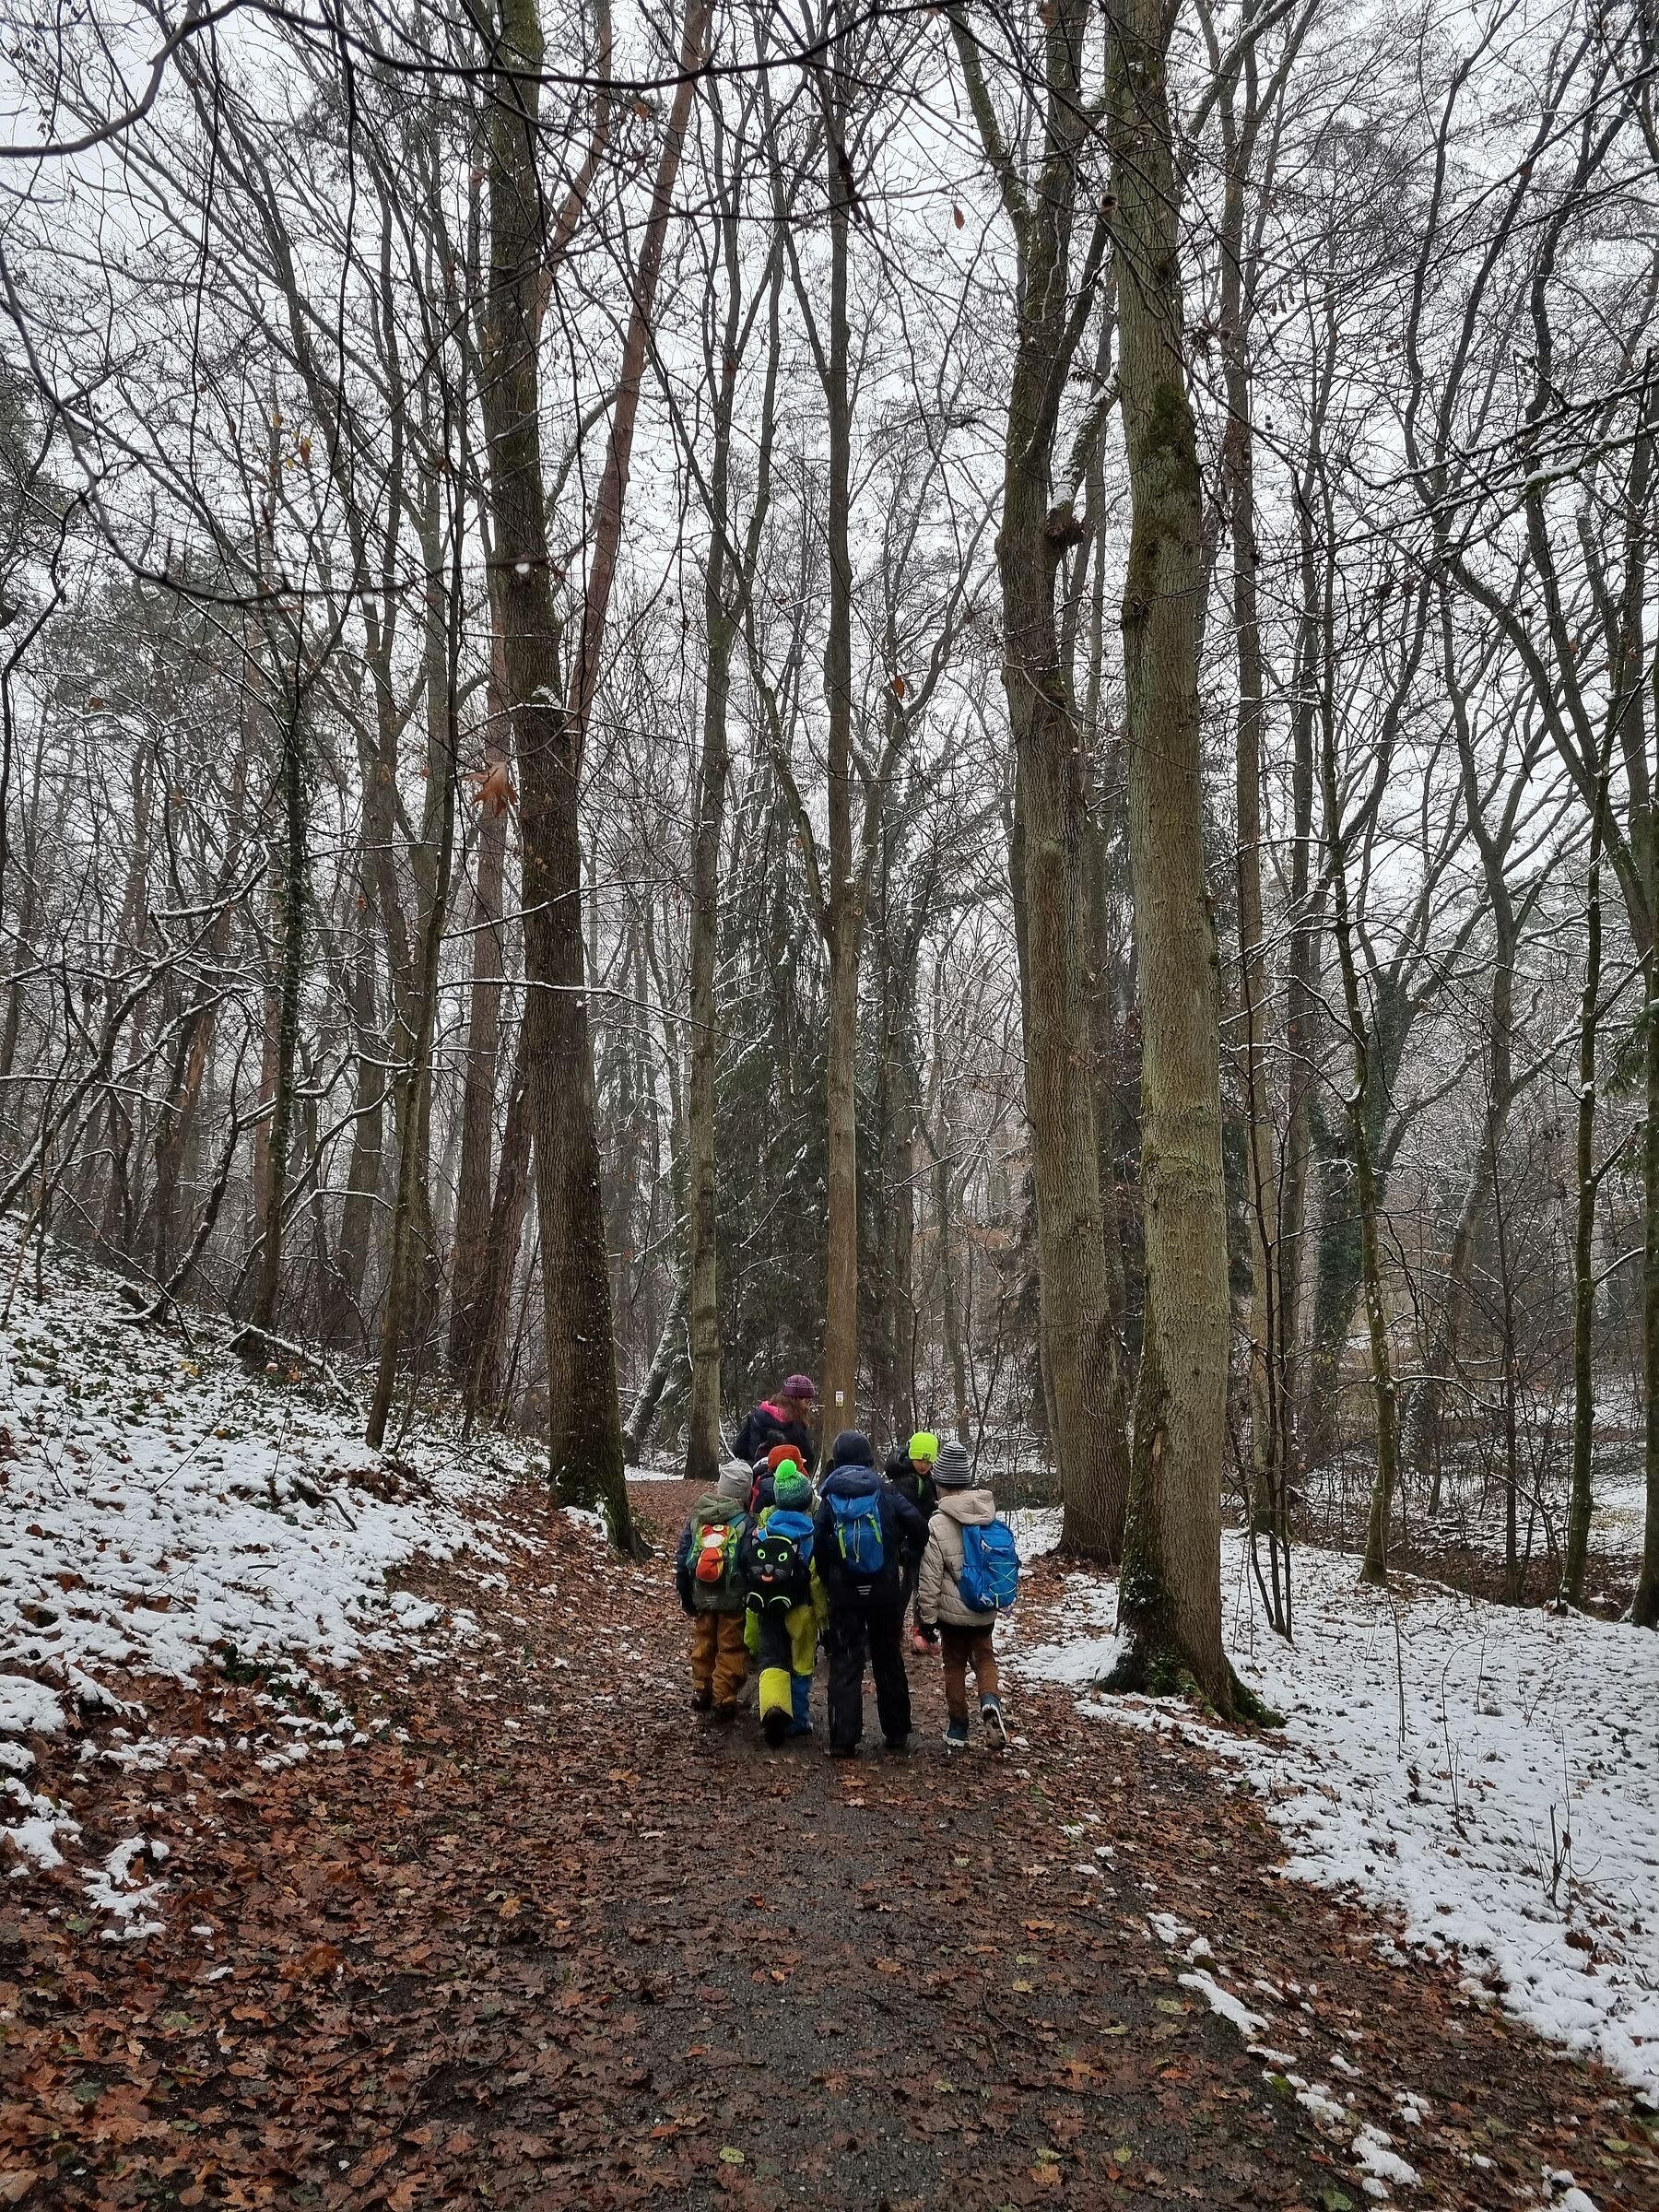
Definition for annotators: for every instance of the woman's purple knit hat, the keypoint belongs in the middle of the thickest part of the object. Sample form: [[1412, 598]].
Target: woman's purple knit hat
[[800, 1386]]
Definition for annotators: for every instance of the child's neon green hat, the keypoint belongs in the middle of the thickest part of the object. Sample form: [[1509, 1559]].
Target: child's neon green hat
[[791, 1488], [924, 1445]]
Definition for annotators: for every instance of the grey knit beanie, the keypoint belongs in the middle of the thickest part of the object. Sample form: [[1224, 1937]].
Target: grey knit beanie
[[952, 1471], [734, 1484]]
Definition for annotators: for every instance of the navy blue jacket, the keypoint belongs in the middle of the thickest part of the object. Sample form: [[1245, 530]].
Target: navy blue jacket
[[903, 1534]]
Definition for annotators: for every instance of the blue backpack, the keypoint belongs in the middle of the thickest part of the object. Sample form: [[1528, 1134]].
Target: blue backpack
[[857, 1523], [989, 1581]]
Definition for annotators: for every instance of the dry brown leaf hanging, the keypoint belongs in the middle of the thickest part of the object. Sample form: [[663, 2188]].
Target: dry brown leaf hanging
[[496, 793]]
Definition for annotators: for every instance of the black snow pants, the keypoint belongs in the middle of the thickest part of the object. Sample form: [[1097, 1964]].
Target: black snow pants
[[873, 1625]]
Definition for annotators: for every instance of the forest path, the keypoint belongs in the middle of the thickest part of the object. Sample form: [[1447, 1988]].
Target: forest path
[[563, 1946]]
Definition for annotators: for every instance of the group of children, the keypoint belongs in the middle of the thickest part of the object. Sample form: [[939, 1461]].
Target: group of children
[[770, 1564]]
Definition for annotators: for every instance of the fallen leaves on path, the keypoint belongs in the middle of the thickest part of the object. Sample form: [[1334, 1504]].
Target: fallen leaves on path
[[543, 1941]]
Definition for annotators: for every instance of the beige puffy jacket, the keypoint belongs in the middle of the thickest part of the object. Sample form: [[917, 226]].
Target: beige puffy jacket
[[937, 1597]]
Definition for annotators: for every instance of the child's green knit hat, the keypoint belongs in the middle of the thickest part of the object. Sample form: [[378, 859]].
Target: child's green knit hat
[[791, 1488]]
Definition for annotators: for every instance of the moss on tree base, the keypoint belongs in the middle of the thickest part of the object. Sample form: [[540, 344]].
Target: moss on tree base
[[1153, 1672]]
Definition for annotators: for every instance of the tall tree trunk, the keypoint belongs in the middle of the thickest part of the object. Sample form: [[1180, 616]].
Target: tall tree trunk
[[411, 1240], [585, 1430], [483, 1029], [1082, 1373], [176, 1122], [1101, 824], [1635, 736], [1582, 1497], [1644, 1608], [1169, 1595], [1375, 1566], [1261, 1136], [22, 955], [506, 1212], [670, 1348], [1303, 1003], [845, 922], [359, 1209], [584, 1449], [713, 775], [713, 771], [1103, 1040], [1423, 1442], [291, 858], [900, 1217], [955, 1360]]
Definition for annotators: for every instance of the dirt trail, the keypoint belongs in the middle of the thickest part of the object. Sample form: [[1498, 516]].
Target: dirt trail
[[565, 1946]]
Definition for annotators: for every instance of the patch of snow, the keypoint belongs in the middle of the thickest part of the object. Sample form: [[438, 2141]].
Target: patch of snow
[[29, 1708], [1375, 2151], [116, 1889], [1088, 1661], [1491, 1774], [35, 1835], [1223, 2001], [162, 1508], [1314, 2097], [587, 1520], [1036, 1529]]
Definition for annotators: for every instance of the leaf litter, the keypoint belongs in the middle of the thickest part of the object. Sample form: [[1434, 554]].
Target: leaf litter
[[515, 1930]]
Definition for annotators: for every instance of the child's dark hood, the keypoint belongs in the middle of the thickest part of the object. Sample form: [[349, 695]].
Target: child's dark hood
[[851, 1449], [851, 1482]]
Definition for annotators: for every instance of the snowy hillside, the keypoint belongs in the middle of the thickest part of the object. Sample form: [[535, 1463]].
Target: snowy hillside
[[1493, 1774], [164, 1508]]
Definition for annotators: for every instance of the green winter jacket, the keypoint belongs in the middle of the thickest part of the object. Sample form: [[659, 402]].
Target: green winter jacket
[[712, 1511]]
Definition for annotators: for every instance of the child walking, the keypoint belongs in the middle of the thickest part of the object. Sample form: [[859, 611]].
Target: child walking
[[711, 1589], [863, 1529], [781, 1588], [966, 1635]]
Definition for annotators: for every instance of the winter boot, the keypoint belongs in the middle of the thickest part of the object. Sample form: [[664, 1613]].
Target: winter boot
[[701, 1700], [775, 1725], [896, 1747], [991, 1717], [843, 1751], [956, 1737], [725, 1714]]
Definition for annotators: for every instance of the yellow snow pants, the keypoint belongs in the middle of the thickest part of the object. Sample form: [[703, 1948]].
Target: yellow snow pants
[[788, 1649]]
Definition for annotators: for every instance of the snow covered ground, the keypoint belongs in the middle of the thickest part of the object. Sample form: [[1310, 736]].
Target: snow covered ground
[[159, 1507], [1491, 1774], [1338, 1500]]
